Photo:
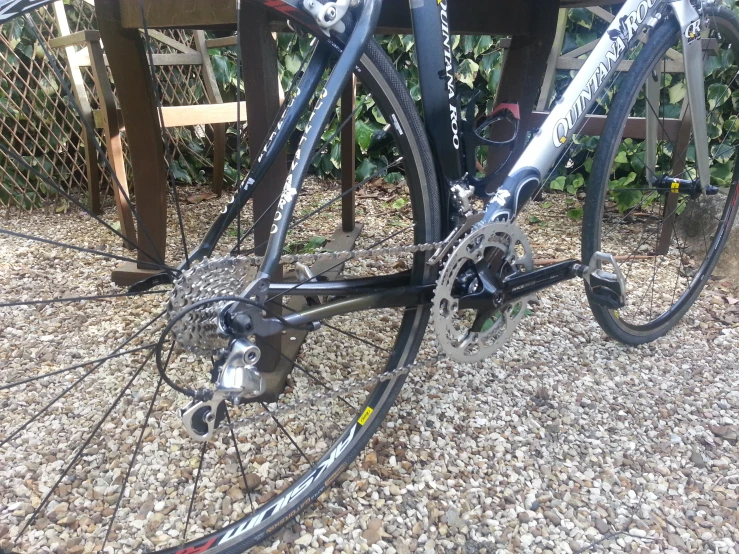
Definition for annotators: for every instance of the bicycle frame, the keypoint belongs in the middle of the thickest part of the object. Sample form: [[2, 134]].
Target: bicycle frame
[[444, 129]]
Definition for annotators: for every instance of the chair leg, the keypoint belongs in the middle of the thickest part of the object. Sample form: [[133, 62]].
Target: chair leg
[[93, 173], [123, 205], [219, 157]]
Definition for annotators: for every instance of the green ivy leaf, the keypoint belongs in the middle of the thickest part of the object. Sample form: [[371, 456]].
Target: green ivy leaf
[[722, 174], [365, 170], [394, 177], [677, 93], [179, 172], [718, 94], [364, 133], [399, 203], [315, 243], [558, 183], [627, 199], [575, 213], [483, 44], [581, 17], [722, 152], [467, 72]]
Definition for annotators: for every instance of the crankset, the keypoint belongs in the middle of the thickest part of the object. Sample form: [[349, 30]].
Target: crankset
[[471, 316], [488, 280]]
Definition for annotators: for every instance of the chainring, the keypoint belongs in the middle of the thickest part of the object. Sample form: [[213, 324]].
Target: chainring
[[505, 246]]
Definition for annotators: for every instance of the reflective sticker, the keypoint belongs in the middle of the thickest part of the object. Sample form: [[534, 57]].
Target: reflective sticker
[[365, 416], [675, 187]]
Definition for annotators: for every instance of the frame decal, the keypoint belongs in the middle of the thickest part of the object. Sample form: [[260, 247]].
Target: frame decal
[[621, 37], [449, 59]]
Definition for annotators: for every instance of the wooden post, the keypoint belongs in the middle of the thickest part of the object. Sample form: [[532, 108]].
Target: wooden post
[[261, 85], [522, 74], [214, 97], [348, 153], [128, 63], [112, 131], [550, 75]]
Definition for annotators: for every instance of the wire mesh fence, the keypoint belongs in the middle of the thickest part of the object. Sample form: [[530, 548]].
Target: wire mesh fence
[[42, 134]]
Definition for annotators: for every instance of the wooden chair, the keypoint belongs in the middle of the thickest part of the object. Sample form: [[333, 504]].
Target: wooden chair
[[84, 50]]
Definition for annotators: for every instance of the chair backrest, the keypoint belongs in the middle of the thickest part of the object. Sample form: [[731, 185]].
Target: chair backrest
[[181, 51]]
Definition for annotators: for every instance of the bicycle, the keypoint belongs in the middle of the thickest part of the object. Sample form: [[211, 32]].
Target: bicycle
[[471, 271]]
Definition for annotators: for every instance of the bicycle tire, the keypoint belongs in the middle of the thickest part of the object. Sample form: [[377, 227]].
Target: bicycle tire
[[614, 322]]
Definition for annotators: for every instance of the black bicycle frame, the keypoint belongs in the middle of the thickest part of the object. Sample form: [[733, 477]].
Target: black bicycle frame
[[442, 115]]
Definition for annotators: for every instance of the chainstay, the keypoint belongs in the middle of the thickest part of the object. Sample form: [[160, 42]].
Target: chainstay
[[218, 276], [229, 276]]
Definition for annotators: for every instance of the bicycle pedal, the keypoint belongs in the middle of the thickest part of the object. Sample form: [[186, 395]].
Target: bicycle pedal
[[607, 288]]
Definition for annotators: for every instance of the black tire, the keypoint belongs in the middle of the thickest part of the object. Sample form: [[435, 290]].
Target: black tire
[[379, 77], [636, 323]]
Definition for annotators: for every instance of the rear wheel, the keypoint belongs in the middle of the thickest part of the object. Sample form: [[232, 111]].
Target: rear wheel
[[667, 243], [93, 454]]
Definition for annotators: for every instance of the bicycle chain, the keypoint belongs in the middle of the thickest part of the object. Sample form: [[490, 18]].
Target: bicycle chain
[[197, 331]]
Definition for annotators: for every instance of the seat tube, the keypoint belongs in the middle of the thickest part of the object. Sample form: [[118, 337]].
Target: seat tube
[[436, 69]]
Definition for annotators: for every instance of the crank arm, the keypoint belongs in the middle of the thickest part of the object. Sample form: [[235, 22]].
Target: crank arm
[[520, 285]]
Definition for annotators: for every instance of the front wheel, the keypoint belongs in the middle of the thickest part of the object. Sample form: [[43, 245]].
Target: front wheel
[[667, 243]]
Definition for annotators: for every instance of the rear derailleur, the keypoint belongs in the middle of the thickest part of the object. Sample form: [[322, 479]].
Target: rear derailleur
[[236, 378]]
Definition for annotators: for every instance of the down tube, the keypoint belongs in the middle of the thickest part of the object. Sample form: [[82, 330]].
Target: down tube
[[552, 141]]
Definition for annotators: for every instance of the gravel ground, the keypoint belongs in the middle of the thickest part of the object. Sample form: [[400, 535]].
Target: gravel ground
[[564, 441]]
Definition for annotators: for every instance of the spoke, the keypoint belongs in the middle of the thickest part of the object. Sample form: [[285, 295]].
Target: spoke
[[340, 128], [289, 436], [20, 161], [238, 457], [654, 278], [345, 193], [320, 209], [288, 97], [357, 338], [194, 491], [309, 373], [15, 303], [77, 366], [345, 333], [166, 137], [77, 382], [81, 249], [84, 446], [132, 463], [642, 239]]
